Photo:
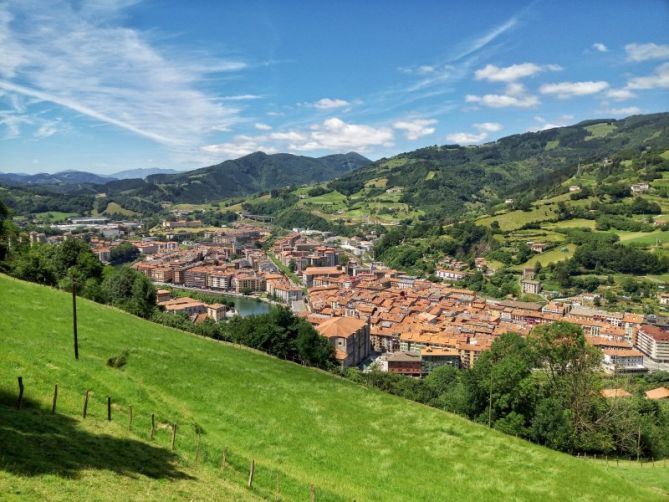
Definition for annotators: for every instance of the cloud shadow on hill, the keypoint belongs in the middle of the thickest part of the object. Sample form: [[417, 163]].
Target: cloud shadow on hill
[[34, 442]]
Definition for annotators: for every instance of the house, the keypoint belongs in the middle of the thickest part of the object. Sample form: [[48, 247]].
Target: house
[[653, 341], [622, 360], [318, 276], [350, 338], [639, 188], [216, 312], [405, 363], [184, 305], [664, 298], [614, 393], [452, 275], [163, 295], [530, 287], [538, 247], [434, 357], [657, 394]]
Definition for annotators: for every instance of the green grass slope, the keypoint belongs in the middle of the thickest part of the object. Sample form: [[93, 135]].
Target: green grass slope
[[301, 425]]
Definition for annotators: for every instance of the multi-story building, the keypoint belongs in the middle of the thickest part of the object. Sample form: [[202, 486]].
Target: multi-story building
[[433, 358], [196, 277], [405, 363], [623, 361], [350, 338], [653, 341]]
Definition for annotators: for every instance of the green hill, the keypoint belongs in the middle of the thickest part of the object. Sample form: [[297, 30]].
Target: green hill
[[252, 173], [304, 425]]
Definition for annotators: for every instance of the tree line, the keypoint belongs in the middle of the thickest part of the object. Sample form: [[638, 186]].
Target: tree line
[[543, 388]]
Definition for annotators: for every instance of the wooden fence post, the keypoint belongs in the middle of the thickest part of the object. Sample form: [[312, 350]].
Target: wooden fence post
[[55, 398], [85, 404], [19, 402], [129, 418], [252, 469], [174, 434], [153, 425], [312, 493], [109, 408]]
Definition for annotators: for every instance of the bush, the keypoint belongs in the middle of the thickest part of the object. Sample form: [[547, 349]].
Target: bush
[[118, 361]]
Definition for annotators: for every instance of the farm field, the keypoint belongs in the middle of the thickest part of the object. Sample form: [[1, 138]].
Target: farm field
[[308, 426]]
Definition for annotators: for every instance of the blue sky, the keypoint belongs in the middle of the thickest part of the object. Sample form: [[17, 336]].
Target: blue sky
[[103, 85]]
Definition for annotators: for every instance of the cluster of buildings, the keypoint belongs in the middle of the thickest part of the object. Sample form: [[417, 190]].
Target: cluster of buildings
[[226, 261], [417, 325], [196, 310], [300, 252]]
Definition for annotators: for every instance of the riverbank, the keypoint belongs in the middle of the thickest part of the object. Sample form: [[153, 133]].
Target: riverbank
[[244, 304]]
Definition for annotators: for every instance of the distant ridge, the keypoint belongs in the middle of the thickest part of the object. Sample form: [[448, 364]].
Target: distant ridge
[[141, 173]]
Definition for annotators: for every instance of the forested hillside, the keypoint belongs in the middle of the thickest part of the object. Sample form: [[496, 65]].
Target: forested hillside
[[449, 180]]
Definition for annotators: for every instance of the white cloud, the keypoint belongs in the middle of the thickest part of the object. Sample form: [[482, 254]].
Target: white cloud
[[570, 89], [489, 126], [12, 123], [262, 127], [465, 138], [414, 129], [511, 73], [240, 146], [598, 46], [515, 96], [562, 121], [622, 112], [332, 134], [659, 79], [241, 97], [337, 135], [644, 52], [330, 104], [619, 94], [48, 128], [288, 136], [78, 57]]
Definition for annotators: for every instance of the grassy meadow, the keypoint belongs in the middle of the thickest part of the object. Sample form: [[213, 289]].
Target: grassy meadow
[[302, 425]]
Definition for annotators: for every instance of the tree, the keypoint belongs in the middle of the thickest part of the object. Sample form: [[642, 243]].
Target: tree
[[123, 253], [130, 290], [4, 230], [501, 384], [570, 366]]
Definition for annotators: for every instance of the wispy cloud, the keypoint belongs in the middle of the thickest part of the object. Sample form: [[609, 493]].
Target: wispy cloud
[[485, 39], [79, 58], [600, 47], [333, 135], [416, 128], [330, 104], [515, 96], [658, 80], [619, 94], [512, 73], [468, 138], [644, 52], [566, 90]]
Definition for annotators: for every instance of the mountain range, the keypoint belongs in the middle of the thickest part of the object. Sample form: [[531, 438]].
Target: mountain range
[[72, 177]]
